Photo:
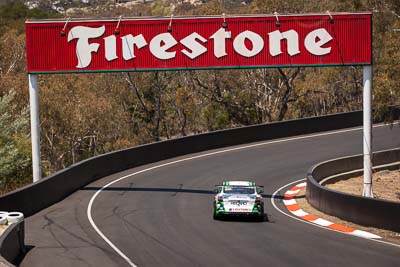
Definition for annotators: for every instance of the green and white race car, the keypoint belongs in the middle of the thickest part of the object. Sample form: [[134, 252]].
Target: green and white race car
[[241, 198]]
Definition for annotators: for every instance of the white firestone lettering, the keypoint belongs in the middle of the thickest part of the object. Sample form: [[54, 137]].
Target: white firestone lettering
[[110, 43], [256, 40], [219, 42], [275, 39], [83, 48], [128, 43], [160, 44], [196, 48], [313, 46], [193, 43]]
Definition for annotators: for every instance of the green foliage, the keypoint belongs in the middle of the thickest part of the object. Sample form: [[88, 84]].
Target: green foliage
[[15, 158], [19, 10], [161, 8], [217, 118], [13, 15]]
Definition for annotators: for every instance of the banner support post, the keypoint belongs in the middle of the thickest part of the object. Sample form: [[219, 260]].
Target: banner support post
[[367, 130], [35, 127]]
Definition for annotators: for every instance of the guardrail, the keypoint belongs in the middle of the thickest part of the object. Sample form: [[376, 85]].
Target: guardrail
[[361, 210]]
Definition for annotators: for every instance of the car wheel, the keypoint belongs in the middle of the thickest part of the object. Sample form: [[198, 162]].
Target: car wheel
[[215, 217], [261, 216]]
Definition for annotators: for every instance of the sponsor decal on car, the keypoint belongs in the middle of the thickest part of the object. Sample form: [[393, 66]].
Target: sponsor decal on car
[[239, 203], [240, 210]]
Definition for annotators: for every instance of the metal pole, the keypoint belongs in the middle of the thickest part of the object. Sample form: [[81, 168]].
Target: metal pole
[[35, 127], [367, 131]]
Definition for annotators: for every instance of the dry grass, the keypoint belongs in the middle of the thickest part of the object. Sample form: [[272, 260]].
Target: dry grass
[[14, 186], [2, 229], [386, 185]]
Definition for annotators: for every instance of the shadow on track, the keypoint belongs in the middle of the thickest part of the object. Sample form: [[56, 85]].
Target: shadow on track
[[150, 189], [175, 191], [160, 190], [244, 219], [170, 190]]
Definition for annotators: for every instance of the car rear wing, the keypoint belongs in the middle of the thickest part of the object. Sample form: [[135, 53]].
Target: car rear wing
[[218, 188], [259, 189]]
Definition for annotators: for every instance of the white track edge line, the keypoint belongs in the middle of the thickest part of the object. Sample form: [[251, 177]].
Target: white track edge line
[[316, 225], [114, 247], [126, 258]]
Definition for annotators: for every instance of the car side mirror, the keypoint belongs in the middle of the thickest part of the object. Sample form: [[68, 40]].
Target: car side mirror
[[260, 190]]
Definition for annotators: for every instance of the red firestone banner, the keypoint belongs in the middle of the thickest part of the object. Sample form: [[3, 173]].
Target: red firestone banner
[[145, 44]]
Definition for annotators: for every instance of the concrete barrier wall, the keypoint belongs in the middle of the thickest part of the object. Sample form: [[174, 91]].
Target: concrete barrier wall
[[12, 244], [357, 209], [52, 189], [35, 197], [56, 187]]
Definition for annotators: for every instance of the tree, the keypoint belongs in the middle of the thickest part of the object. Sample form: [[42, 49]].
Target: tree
[[86, 115], [82, 116], [15, 158]]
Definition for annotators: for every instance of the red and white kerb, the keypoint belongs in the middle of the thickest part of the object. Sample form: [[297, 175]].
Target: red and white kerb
[[294, 208]]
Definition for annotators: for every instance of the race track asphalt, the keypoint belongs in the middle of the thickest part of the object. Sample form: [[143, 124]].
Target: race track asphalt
[[163, 217]]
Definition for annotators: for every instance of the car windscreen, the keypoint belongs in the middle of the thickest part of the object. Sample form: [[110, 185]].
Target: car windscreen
[[239, 190]]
